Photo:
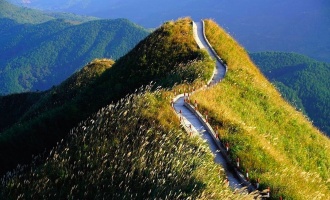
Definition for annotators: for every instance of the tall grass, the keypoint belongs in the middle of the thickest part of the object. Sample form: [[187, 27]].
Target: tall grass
[[124, 151], [274, 142], [134, 149]]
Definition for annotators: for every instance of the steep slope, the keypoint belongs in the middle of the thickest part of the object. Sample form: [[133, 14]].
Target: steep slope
[[274, 142], [167, 57], [36, 57], [302, 80]]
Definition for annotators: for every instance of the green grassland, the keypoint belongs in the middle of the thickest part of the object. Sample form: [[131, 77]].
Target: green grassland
[[276, 143]]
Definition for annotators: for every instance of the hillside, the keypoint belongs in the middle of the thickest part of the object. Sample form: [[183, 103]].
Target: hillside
[[132, 149], [273, 141], [302, 80], [173, 58], [36, 57]]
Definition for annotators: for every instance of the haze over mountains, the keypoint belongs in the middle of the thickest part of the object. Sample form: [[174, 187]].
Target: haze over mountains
[[259, 25]]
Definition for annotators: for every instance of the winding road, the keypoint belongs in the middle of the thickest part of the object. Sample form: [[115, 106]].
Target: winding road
[[193, 124]]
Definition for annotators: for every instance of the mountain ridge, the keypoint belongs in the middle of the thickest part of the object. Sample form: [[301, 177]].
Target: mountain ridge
[[273, 141], [174, 58]]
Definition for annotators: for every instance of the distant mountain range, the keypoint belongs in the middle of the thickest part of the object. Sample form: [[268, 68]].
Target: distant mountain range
[[258, 25], [39, 55], [303, 81]]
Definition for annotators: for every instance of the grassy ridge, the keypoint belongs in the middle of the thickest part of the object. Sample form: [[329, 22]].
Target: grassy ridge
[[134, 149], [167, 57], [273, 141]]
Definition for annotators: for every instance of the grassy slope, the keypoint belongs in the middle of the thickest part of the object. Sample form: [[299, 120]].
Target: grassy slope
[[143, 159], [273, 141], [132, 150], [163, 57], [302, 80]]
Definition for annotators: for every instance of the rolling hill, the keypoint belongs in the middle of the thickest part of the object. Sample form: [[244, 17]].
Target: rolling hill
[[39, 56], [302, 81]]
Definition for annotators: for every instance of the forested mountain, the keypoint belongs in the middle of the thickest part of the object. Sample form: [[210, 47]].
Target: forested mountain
[[38, 56], [303, 81]]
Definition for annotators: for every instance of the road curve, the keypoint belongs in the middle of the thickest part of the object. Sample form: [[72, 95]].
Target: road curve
[[193, 124]]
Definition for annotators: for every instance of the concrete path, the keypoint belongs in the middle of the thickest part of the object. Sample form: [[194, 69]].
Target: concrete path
[[190, 121]]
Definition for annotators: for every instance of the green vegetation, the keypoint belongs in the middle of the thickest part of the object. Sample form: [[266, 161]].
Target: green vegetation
[[276, 143], [162, 57], [36, 57], [303, 81]]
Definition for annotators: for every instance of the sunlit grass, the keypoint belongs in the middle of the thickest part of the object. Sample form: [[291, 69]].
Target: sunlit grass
[[135, 148], [124, 151], [273, 141]]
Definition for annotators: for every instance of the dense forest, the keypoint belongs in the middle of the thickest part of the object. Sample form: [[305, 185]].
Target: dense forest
[[303, 81], [41, 49], [38, 56]]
